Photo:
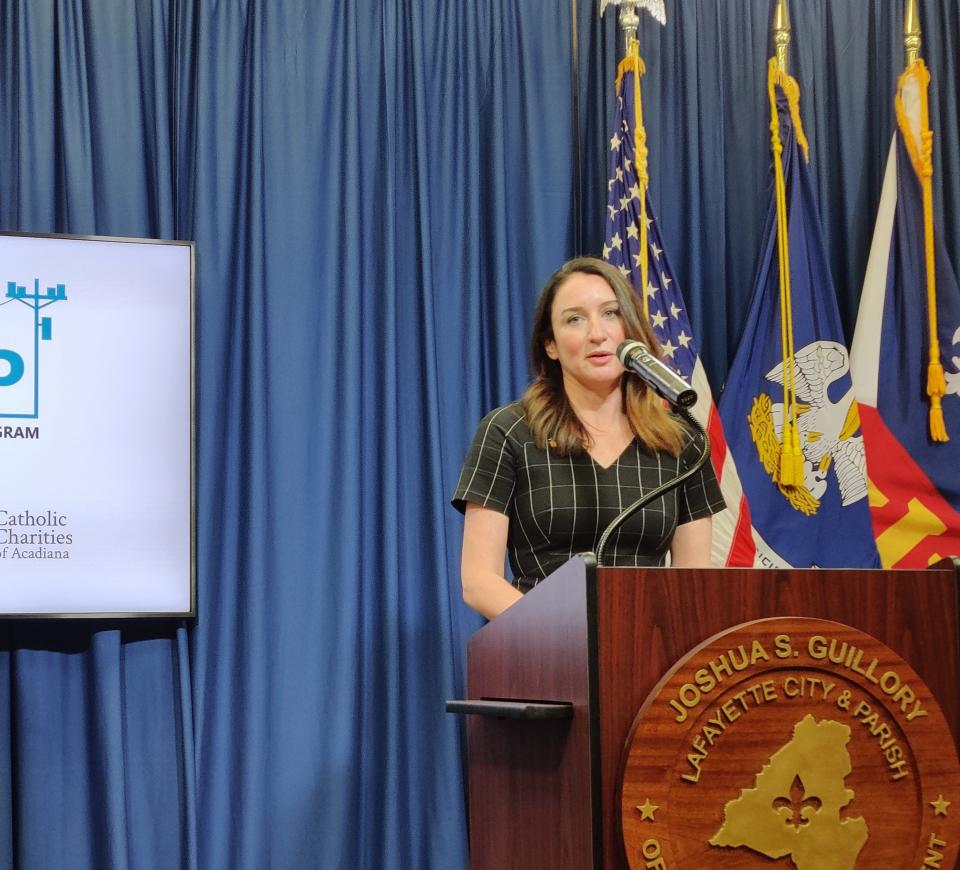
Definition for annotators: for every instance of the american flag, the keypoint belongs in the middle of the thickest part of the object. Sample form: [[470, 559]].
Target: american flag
[[732, 538]]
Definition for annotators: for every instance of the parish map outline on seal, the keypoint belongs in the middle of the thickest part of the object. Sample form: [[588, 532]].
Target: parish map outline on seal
[[794, 809]]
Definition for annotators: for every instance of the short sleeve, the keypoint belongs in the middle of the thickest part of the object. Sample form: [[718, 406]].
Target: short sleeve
[[488, 475], [700, 495]]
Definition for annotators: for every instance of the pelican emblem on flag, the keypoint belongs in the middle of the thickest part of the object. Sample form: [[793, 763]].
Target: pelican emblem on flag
[[953, 378], [829, 428]]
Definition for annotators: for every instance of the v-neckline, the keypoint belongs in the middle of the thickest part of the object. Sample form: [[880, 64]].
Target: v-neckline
[[615, 460]]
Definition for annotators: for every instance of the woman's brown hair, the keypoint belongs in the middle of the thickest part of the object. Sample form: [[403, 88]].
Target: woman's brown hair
[[550, 416]]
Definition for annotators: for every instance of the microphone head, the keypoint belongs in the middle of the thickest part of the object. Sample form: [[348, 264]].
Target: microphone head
[[667, 383], [628, 348]]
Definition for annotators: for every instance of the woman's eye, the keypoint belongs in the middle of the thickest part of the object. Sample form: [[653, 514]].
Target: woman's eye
[[611, 313], [574, 318]]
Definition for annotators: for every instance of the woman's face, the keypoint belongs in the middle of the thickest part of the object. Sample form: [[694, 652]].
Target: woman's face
[[587, 329]]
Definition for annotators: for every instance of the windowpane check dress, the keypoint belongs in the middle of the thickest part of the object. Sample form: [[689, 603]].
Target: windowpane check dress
[[560, 505]]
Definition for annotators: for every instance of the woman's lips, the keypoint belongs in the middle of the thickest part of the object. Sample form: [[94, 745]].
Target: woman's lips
[[600, 357]]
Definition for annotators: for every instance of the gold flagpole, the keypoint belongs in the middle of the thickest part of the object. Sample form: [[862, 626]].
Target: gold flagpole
[[781, 34], [919, 139], [911, 32]]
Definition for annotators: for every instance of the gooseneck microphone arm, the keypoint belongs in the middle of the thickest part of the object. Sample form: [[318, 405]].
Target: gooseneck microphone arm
[[661, 490]]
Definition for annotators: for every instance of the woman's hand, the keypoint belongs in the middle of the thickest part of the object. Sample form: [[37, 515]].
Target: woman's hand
[[485, 588]]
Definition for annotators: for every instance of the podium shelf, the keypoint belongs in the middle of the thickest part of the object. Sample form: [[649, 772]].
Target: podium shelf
[[513, 709]]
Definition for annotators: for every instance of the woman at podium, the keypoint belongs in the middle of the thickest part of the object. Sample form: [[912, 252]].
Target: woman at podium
[[545, 475]]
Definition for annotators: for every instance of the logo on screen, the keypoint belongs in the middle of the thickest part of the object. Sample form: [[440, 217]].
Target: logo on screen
[[24, 327]]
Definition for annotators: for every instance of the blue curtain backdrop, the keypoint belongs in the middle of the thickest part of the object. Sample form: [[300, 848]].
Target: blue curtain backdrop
[[377, 191], [707, 118]]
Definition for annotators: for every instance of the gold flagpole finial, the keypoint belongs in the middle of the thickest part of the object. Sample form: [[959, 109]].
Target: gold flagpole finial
[[630, 17], [629, 22], [781, 33], [911, 31]]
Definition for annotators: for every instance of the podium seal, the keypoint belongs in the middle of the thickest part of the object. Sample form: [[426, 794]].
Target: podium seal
[[796, 742]]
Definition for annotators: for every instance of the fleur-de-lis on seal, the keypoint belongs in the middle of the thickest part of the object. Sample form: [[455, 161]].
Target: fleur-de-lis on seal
[[797, 808]]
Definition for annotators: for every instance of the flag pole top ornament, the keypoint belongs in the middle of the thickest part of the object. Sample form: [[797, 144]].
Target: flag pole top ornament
[[630, 18], [911, 32], [781, 33]]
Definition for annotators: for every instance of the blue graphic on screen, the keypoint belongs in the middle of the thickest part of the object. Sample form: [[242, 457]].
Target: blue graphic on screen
[[22, 329]]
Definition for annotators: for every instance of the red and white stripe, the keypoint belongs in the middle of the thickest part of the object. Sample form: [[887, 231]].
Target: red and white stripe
[[733, 544]]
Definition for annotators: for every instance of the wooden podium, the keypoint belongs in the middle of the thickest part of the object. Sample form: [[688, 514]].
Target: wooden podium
[[557, 680]]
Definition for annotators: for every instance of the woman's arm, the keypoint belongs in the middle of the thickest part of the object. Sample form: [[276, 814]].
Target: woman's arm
[[485, 588], [691, 544]]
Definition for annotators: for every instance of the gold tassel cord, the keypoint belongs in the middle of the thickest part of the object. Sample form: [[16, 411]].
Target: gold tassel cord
[[634, 63], [790, 471], [921, 156]]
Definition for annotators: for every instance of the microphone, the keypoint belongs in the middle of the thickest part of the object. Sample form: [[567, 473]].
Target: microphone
[[663, 380]]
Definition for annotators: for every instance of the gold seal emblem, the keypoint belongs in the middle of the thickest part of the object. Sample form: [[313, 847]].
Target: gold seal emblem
[[796, 740]]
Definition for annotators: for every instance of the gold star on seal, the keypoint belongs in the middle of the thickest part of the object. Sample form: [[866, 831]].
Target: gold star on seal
[[647, 810], [940, 806]]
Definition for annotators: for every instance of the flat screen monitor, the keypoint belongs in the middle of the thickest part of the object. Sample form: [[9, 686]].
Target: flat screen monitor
[[97, 500]]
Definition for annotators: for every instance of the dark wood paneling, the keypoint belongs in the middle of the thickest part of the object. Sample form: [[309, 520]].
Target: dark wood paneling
[[647, 620], [530, 782], [537, 797]]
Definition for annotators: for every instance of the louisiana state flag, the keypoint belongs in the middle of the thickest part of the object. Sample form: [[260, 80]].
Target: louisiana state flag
[[907, 412], [788, 407]]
